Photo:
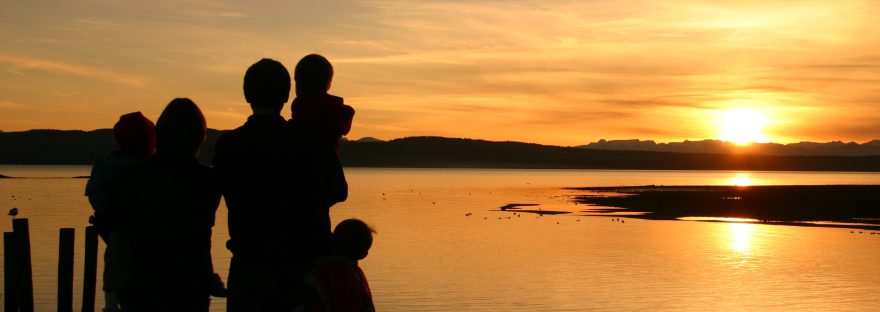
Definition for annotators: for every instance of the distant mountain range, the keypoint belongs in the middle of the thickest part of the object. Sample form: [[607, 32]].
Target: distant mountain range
[[836, 148], [74, 147]]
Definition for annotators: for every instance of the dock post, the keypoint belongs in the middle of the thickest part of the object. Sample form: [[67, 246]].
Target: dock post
[[25, 280], [65, 270], [9, 272], [90, 270]]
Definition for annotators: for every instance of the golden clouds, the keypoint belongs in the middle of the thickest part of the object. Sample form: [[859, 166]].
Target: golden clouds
[[558, 72]]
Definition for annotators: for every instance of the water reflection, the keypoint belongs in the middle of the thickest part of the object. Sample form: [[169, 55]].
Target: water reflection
[[741, 179], [741, 236]]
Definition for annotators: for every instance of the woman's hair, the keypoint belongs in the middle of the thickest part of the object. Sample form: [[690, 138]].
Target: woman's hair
[[181, 129]]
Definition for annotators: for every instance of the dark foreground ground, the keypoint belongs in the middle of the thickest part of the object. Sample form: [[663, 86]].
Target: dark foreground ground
[[786, 204]]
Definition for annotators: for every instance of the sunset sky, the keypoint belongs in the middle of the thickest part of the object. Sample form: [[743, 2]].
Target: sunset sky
[[551, 72]]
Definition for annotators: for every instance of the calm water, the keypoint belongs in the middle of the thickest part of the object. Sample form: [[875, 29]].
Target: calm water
[[429, 256]]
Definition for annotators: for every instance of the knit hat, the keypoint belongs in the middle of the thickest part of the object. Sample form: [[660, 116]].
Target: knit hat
[[135, 134]]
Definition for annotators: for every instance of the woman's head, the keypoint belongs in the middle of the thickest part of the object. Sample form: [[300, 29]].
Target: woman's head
[[181, 129]]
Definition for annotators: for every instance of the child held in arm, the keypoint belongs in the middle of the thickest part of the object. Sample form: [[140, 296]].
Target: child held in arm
[[337, 283], [320, 120], [135, 137], [322, 115]]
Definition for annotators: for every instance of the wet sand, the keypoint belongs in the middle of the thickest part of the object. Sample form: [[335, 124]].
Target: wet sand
[[849, 206]]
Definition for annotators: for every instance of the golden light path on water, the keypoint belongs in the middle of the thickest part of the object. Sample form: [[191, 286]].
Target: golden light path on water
[[741, 179], [741, 236]]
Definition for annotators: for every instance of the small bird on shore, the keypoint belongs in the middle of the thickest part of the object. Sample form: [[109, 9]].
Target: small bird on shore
[[13, 212]]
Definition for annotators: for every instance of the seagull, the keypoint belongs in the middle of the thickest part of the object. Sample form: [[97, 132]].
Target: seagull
[[13, 212]]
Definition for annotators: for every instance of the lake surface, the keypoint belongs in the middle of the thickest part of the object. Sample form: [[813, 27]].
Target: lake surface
[[429, 256]]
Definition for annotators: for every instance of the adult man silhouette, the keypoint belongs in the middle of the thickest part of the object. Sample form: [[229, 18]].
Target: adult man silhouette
[[277, 222]]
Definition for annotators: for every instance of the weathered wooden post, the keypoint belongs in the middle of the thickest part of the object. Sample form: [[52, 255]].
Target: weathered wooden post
[[25, 280], [90, 270], [10, 276], [65, 270]]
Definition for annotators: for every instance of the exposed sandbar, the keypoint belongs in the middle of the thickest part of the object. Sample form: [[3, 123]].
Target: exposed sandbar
[[784, 204], [516, 208]]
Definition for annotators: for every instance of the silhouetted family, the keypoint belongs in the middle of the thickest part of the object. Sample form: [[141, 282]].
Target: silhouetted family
[[155, 204]]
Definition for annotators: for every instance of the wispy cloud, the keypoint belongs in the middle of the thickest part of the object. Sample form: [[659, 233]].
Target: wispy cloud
[[22, 65]]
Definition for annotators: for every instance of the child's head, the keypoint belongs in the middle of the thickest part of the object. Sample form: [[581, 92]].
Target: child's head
[[352, 238], [313, 74], [135, 134]]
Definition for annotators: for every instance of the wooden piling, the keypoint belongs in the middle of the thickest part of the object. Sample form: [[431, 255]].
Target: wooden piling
[[10, 275], [65, 270], [25, 279], [90, 270]]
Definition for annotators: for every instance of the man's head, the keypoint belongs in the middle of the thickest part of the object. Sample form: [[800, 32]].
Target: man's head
[[135, 134], [353, 238], [267, 85], [313, 74]]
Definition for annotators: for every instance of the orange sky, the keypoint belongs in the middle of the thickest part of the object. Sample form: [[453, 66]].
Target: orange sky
[[553, 72]]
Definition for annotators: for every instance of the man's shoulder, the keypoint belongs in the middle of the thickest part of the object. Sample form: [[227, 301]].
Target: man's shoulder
[[231, 134]]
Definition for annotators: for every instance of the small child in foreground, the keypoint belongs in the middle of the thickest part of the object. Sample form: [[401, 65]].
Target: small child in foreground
[[337, 283]]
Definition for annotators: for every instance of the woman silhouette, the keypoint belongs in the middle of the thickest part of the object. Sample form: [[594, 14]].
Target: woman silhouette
[[169, 204]]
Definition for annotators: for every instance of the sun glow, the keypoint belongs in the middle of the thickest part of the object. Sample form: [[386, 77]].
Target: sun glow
[[742, 126], [741, 179]]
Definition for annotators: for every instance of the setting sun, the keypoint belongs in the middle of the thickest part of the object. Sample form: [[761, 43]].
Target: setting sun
[[742, 126]]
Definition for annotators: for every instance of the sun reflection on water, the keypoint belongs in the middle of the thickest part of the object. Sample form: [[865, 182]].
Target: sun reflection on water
[[741, 236], [741, 179]]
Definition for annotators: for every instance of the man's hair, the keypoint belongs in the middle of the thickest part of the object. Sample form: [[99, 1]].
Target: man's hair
[[313, 74], [353, 238], [267, 84], [181, 129]]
